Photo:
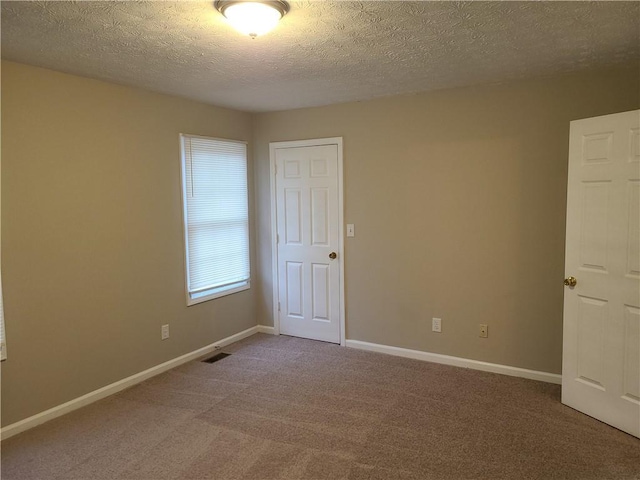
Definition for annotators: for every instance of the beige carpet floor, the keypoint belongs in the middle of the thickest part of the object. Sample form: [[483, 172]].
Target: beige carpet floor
[[287, 408]]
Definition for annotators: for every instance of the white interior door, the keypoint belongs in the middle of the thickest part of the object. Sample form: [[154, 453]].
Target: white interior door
[[308, 241], [601, 351]]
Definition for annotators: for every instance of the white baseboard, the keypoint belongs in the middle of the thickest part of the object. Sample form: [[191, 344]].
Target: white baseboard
[[457, 361], [42, 417], [265, 329]]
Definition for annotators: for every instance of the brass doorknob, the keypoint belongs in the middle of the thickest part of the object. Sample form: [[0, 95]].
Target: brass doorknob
[[570, 281], [333, 255]]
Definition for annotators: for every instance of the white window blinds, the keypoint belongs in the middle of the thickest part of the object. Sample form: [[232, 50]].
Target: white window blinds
[[216, 216]]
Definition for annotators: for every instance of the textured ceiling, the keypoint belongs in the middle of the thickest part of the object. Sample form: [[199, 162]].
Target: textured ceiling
[[322, 52]]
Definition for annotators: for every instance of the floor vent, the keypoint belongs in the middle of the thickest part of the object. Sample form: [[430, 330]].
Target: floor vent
[[216, 357]]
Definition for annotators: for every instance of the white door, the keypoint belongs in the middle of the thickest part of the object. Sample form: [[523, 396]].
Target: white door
[[601, 351], [308, 241]]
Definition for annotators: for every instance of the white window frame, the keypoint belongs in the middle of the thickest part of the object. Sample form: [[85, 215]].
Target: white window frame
[[212, 293]]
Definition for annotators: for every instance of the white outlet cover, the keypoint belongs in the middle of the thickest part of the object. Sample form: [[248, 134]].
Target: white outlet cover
[[436, 325], [484, 331]]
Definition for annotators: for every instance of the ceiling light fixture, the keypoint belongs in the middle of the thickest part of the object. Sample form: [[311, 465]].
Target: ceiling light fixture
[[252, 18]]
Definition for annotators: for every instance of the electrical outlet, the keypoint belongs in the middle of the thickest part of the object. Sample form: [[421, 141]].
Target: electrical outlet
[[164, 332], [436, 325], [484, 330]]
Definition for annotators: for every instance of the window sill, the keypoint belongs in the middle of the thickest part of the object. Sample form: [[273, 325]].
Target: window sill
[[204, 297]]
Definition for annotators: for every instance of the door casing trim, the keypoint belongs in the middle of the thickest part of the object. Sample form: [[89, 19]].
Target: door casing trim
[[274, 227]]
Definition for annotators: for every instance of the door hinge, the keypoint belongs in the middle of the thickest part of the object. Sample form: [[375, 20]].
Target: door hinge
[[278, 306], [275, 169], [277, 238]]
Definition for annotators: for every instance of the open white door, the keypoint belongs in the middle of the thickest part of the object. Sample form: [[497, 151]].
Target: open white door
[[308, 217], [601, 346]]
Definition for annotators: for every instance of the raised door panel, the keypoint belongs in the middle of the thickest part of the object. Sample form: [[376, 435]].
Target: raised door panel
[[631, 390], [633, 230], [293, 216], [292, 169], [596, 148], [634, 145], [319, 216], [592, 318], [594, 234], [320, 292], [295, 289]]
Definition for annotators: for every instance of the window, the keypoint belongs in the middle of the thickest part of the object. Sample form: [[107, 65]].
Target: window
[[216, 217]]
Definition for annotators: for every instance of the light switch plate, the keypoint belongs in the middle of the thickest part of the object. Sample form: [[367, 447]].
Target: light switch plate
[[351, 230]]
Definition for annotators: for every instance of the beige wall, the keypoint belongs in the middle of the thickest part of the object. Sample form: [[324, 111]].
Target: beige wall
[[458, 199], [92, 248]]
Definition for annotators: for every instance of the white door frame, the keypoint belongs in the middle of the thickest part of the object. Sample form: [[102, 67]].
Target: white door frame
[[274, 225]]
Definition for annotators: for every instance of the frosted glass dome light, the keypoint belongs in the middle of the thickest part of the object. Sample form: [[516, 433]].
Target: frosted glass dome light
[[252, 18]]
